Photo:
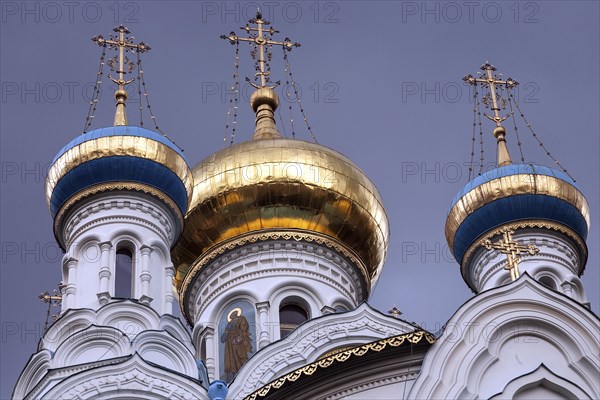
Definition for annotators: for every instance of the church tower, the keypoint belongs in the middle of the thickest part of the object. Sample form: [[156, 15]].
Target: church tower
[[279, 231], [518, 232], [518, 218], [118, 196]]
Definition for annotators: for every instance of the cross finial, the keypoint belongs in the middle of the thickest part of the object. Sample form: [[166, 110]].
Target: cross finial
[[513, 251], [264, 101], [261, 37], [54, 299], [495, 102], [395, 311], [120, 63]]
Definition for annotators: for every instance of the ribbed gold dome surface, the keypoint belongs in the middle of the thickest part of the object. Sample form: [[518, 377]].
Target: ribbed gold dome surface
[[283, 184]]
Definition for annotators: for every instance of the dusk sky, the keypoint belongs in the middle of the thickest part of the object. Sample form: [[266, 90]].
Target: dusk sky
[[380, 81]]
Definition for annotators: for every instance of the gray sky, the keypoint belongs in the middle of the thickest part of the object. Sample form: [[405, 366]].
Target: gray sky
[[381, 83]]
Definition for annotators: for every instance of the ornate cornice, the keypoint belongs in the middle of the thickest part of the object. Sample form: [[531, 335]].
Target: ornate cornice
[[215, 292], [373, 383], [340, 357], [262, 236], [315, 338], [525, 224], [113, 186]]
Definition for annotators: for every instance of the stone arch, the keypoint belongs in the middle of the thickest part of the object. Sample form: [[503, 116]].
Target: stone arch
[[91, 344], [298, 294], [548, 280], [506, 332], [541, 383], [129, 320], [161, 348]]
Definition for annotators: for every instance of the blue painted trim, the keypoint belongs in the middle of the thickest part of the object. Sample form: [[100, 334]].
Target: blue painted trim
[[515, 208], [119, 169]]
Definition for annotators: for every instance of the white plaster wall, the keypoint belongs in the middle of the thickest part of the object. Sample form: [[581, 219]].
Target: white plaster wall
[[93, 232], [267, 275], [557, 263]]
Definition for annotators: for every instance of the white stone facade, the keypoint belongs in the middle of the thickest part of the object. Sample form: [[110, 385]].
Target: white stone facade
[[269, 274], [97, 228], [556, 265]]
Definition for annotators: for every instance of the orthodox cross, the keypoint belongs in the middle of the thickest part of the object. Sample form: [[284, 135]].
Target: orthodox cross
[[54, 299], [513, 251], [262, 43], [119, 63], [492, 81], [395, 311]]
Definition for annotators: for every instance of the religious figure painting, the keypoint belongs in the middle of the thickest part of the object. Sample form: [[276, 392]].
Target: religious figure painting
[[237, 338]]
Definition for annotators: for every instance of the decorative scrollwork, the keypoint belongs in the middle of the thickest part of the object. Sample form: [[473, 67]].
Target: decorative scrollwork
[[340, 357]]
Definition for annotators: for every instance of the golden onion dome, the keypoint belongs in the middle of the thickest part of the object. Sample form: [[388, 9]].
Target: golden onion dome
[[275, 184]]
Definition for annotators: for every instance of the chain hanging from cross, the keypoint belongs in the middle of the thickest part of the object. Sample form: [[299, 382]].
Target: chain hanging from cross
[[121, 65], [260, 37], [494, 101], [512, 249]]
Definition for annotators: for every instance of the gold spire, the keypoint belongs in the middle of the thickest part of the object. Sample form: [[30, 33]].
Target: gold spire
[[120, 62], [264, 100], [512, 249], [491, 100]]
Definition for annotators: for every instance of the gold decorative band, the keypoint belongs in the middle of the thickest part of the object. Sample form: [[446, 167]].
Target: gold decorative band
[[184, 284], [340, 357], [527, 224], [513, 185], [134, 146], [104, 187]]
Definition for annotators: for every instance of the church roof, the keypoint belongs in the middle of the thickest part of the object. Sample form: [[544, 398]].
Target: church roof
[[287, 383]]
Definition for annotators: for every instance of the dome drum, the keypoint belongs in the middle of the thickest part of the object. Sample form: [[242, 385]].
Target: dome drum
[[525, 229], [281, 184]]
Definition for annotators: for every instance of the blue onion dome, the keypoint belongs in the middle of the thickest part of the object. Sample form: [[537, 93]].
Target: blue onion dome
[[118, 158], [535, 195]]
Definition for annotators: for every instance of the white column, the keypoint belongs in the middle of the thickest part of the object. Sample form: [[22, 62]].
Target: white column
[[71, 288], [145, 275], [104, 273], [262, 311], [567, 288], [211, 351], [169, 299]]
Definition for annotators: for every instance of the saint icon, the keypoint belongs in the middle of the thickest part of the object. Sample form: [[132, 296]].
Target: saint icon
[[236, 338]]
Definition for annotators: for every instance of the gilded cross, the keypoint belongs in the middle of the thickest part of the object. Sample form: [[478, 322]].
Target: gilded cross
[[492, 81], [123, 43], [262, 43], [395, 311], [513, 251], [54, 299]]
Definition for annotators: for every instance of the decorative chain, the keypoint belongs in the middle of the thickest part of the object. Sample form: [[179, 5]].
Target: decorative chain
[[96, 94], [291, 83], [234, 100], [535, 135], [147, 97]]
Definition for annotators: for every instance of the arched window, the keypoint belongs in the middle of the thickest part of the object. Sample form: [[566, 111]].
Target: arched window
[[124, 273], [290, 316], [547, 281]]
